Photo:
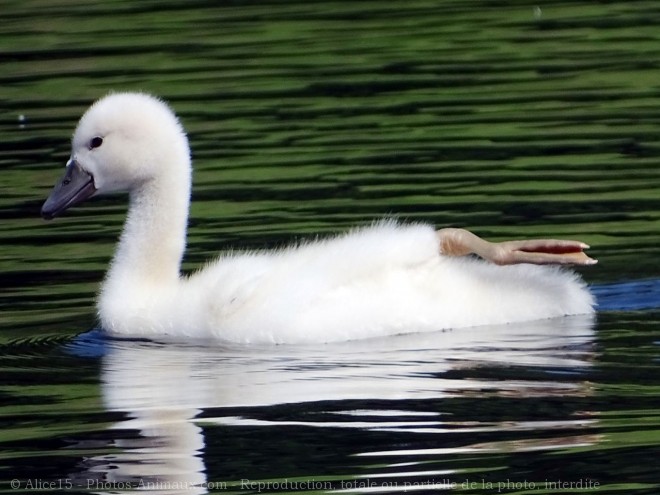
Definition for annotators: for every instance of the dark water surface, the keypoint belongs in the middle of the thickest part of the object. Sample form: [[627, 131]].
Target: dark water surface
[[514, 119]]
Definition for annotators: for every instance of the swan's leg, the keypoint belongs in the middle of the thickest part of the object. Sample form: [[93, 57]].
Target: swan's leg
[[460, 242]]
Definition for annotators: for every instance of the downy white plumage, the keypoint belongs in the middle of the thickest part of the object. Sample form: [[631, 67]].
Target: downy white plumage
[[384, 279]]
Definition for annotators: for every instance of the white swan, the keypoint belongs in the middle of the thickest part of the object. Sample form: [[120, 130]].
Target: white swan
[[381, 280]]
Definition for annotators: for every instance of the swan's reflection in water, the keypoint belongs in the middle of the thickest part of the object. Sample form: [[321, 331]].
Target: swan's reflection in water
[[163, 387]]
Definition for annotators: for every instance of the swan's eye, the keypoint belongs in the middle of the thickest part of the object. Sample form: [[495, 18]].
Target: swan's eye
[[95, 142]]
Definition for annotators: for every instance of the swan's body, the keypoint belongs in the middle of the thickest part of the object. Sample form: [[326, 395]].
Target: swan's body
[[381, 280]]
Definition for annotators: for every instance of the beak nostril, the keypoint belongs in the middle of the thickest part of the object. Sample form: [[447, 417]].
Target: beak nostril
[[75, 186]]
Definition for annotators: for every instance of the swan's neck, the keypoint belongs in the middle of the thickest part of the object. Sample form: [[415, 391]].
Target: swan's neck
[[154, 236]]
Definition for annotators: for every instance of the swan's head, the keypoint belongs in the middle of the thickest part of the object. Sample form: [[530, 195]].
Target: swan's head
[[122, 142]]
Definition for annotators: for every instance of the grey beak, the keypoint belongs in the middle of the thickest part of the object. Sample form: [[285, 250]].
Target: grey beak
[[76, 186]]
